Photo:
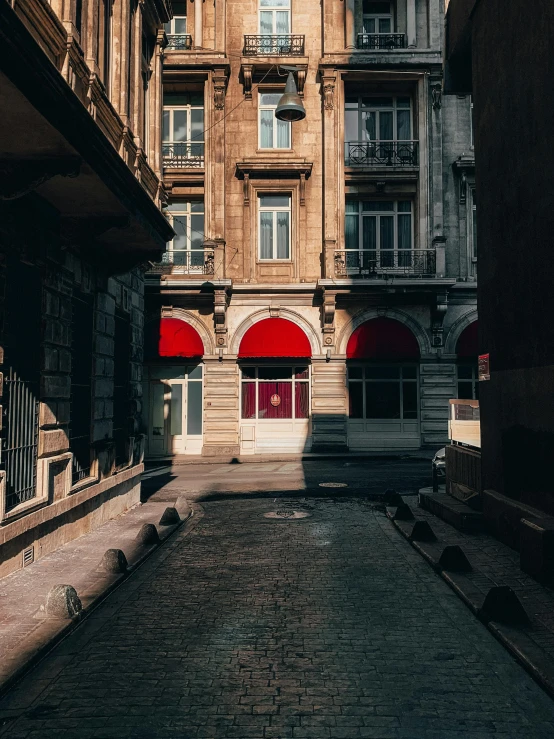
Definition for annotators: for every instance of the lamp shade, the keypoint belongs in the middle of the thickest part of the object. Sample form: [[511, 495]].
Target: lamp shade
[[290, 106]]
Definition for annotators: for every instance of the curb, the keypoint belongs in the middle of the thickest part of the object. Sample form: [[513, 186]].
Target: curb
[[520, 646], [55, 630], [265, 459]]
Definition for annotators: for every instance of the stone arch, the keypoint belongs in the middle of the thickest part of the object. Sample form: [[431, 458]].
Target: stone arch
[[192, 320], [456, 330], [367, 314], [285, 313]]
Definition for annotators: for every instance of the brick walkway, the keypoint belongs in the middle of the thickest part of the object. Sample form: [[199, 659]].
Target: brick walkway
[[328, 626]]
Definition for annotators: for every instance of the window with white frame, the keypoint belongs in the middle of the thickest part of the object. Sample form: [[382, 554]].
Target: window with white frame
[[274, 17], [273, 133], [187, 219], [378, 233], [377, 17], [274, 226], [378, 118], [183, 129], [177, 26]]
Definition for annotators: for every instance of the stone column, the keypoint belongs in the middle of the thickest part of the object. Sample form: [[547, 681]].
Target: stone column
[[198, 23], [437, 383], [411, 23], [331, 137], [221, 407], [329, 412], [436, 24], [155, 105], [350, 23]]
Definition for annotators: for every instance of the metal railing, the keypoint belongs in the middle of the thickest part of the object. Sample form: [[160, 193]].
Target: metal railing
[[186, 262], [183, 155], [381, 153], [19, 454], [179, 42], [372, 263], [278, 45], [372, 41]]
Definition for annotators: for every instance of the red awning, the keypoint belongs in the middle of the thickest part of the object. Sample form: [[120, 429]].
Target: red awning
[[178, 339], [274, 337], [468, 345], [383, 339]]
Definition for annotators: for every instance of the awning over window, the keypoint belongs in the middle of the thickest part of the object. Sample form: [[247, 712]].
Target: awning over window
[[382, 339], [176, 338], [468, 345], [274, 337]]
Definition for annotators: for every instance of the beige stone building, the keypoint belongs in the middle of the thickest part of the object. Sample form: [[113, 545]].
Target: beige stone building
[[320, 291]]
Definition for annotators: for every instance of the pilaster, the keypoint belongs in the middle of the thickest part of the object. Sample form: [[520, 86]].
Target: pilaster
[[329, 408], [221, 407]]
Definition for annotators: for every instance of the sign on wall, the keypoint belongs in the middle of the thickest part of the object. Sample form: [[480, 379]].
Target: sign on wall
[[484, 367]]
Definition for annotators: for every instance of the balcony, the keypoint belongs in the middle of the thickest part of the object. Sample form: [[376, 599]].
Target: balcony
[[381, 154], [179, 42], [183, 155], [380, 41], [280, 45], [390, 263], [195, 262]]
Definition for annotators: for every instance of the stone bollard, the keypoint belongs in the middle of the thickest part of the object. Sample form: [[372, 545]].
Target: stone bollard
[[403, 513], [422, 532], [391, 498], [183, 506], [148, 535], [114, 560], [502, 604], [454, 560], [63, 602], [169, 517]]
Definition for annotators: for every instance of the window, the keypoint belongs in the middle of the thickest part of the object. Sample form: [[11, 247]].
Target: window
[[381, 392], [81, 386], [377, 17], [177, 26], [468, 381], [274, 17], [186, 249], [378, 118], [473, 229], [275, 392], [122, 377], [183, 129], [274, 134], [378, 234], [274, 226]]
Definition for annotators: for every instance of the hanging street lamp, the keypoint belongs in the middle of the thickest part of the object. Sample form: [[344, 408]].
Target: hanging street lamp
[[290, 106]]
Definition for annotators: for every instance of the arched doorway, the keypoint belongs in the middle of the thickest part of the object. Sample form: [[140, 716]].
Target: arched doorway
[[274, 358], [467, 373], [173, 388], [383, 386]]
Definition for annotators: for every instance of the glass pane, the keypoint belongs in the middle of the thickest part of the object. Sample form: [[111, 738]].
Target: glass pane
[[248, 400], [351, 235], [382, 399], [178, 206], [269, 98], [405, 234], [369, 126], [385, 126], [283, 235], [356, 399], [194, 409], [195, 373], [249, 373], [382, 373], [165, 126], [176, 420], [378, 102], [197, 124], [302, 400], [274, 400], [283, 135], [404, 132], [409, 373], [266, 23], [369, 25], [355, 373], [387, 232], [404, 206], [270, 201], [369, 232], [180, 125], [370, 206], [266, 235], [197, 206], [385, 25], [275, 3], [402, 102], [180, 226], [283, 21], [266, 129], [409, 399], [197, 231], [158, 409], [352, 206], [302, 373], [351, 124], [275, 373], [180, 25]]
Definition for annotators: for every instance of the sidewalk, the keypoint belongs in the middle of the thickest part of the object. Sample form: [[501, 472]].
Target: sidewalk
[[25, 633], [494, 564]]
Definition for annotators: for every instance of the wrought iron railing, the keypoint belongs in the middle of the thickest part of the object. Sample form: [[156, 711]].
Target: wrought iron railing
[[372, 263], [186, 262], [278, 45], [381, 41], [179, 42], [183, 155], [381, 153]]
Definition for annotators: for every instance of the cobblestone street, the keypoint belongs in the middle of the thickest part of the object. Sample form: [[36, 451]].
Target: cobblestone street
[[243, 625]]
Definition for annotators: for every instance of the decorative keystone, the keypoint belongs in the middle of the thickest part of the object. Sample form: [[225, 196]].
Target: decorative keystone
[[148, 535], [169, 517], [392, 498], [422, 532], [502, 604], [63, 602], [403, 513], [113, 561], [454, 560]]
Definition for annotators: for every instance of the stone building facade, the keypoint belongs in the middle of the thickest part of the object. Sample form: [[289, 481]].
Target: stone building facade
[[80, 195], [320, 291]]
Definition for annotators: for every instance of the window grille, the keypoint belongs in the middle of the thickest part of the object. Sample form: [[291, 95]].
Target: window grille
[[81, 387]]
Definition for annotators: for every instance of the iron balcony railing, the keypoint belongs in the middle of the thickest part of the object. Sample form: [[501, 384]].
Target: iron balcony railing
[[278, 45], [186, 262], [381, 153], [373, 41], [179, 42], [372, 263], [183, 155]]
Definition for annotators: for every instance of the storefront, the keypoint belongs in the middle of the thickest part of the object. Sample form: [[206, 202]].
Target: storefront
[[383, 387]]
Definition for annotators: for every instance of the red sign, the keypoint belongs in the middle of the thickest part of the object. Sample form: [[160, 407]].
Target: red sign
[[275, 400], [484, 367]]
